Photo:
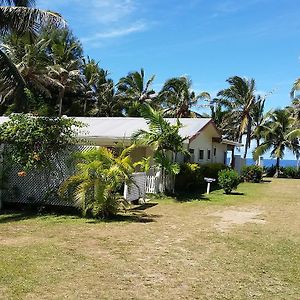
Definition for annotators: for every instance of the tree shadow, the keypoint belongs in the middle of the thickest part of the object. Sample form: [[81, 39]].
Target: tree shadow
[[193, 196], [138, 217], [8, 216], [144, 206], [236, 193]]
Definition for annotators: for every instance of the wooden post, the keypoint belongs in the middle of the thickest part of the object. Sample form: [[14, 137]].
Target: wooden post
[[208, 188]]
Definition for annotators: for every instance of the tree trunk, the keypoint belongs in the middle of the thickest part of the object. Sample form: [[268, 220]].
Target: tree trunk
[[60, 98], [277, 167], [257, 145], [248, 138]]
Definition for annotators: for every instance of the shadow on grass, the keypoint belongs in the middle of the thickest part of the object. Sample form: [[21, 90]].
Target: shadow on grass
[[8, 216], [128, 218], [21, 212], [236, 193], [144, 206], [193, 196], [15, 212]]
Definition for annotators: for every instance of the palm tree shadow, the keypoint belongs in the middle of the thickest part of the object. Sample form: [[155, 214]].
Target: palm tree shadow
[[237, 193], [13, 216], [188, 197]]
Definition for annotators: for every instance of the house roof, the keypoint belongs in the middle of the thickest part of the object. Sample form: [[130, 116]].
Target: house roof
[[122, 128]]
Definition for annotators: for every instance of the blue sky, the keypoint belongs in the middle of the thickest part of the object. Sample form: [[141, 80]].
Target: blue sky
[[206, 40]]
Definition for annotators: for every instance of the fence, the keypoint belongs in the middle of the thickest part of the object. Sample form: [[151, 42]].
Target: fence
[[39, 186]]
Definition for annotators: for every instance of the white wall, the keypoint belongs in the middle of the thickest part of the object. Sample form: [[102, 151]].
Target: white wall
[[204, 142]]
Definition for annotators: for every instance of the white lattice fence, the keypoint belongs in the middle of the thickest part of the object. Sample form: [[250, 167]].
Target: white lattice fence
[[40, 186]]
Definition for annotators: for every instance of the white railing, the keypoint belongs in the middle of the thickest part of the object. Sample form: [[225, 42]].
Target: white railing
[[151, 185]]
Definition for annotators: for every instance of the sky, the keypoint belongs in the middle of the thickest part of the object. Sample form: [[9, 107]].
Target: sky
[[209, 41]]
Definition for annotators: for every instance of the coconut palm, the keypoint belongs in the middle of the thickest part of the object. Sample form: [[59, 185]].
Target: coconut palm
[[135, 90], [279, 135], [258, 119], [165, 140], [20, 17], [30, 62], [177, 97], [240, 99], [99, 175], [295, 88]]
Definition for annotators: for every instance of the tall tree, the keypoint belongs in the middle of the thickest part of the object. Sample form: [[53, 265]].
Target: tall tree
[[66, 68], [163, 137], [177, 98], [279, 135], [240, 99], [258, 119], [295, 88], [19, 17], [135, 90]]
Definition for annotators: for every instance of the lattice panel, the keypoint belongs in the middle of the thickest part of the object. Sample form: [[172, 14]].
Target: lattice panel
[[40, 186]]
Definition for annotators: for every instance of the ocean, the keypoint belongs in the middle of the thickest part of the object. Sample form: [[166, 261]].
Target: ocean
[[270, 162]]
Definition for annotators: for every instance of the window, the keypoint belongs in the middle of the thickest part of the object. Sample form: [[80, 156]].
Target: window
[[192, 155], [215, 151], [201, 154], [208, 154]]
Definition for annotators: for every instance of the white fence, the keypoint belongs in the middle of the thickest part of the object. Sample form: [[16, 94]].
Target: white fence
[[152, 184], [147, 184]]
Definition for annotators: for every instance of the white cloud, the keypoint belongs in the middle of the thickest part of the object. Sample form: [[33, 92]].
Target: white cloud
[[96, 21], [137, 27]]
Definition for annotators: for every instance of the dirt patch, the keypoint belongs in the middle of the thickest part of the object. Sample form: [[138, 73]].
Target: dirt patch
[[231, 217]]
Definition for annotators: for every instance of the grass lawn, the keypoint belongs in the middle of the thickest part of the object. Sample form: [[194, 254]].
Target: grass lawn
[[221, 247]]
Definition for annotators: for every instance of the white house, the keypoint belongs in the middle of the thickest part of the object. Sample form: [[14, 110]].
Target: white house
[[203, 140]]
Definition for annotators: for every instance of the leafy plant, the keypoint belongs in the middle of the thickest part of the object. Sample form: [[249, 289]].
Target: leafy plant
[[228, 180], [99, 176], [191, 176], [252, 174], [33, 141]]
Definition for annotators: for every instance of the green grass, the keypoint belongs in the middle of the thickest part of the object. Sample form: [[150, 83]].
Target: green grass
[[170, 250]]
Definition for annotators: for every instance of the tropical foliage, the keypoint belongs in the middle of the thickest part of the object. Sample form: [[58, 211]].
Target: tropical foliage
[[19, 17], [228, 180], [33, 142], [279, 135], [99, 176], [163, 137]]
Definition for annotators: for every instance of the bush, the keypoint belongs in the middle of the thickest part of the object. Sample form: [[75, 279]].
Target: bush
[[228, 180], [284, 172], [252, 174], [191, 176]]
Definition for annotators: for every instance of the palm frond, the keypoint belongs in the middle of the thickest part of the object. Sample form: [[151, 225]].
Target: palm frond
[[24, 19], [10, 79]]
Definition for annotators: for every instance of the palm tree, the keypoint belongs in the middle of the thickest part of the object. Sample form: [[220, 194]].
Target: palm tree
[[164, 138], [20, 17], [135, 90], [99, 175], [258, 119], [295, 88], [278, 136], [240, 99], [177, 98], [50, 65], [66, 56]]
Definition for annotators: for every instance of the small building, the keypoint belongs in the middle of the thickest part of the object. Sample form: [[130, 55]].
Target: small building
[[203, 140]]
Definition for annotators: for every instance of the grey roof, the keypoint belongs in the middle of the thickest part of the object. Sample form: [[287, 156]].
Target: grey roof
[[122, 128]]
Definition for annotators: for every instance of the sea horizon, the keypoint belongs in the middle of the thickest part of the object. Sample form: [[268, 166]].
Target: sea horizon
[[272, 162]]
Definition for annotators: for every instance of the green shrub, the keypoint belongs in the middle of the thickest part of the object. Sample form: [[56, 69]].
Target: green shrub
[[228, 180], [191, 176], [252, 174], [284, 172], [290, 172]]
